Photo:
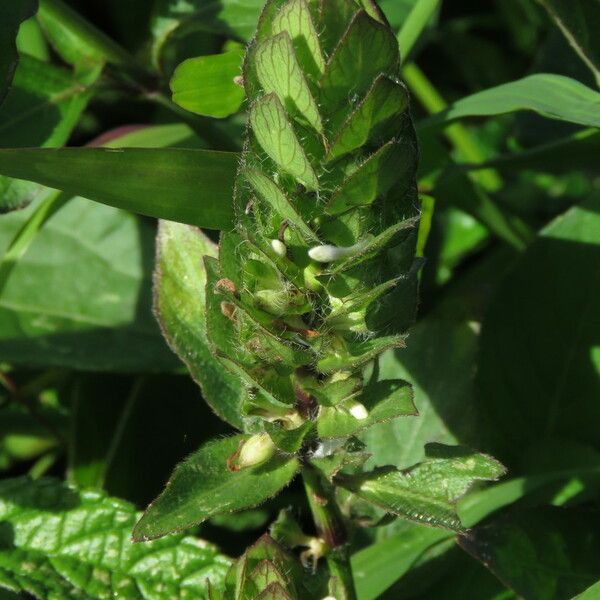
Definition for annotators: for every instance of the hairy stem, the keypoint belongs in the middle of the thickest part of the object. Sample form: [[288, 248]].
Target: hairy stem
[[332, 529]]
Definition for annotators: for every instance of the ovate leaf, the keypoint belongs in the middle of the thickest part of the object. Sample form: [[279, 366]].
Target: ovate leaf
[[203, 486], [428, 491], [57, 543], [13, 14], [541, 553], [179, 302], [552, 96], [187, 186], [206, 85]]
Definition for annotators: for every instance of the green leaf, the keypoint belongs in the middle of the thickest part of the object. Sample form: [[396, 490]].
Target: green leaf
[[278, 139], [203, 486], [279, 72], [428, 491], [550, 553], [526, 363], [42, 109], [179, 302], [206, 85], [552, 96], [378, 566], [13, 14], [62, 544], [188, 186], [579, 21], [383, 401], [80, 295]]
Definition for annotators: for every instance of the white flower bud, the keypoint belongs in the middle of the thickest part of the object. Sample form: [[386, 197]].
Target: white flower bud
[[255, 450], [357, 410], [329, 253], [279, 248]]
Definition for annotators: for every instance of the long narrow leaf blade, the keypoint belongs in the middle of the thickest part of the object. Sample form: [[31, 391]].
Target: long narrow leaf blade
[[552, 96], [183, 185]]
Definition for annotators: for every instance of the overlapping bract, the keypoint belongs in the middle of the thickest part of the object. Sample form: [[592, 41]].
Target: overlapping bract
[[318, 277]]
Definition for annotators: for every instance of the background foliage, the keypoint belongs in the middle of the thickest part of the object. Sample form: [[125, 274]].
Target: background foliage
[[504, 357]]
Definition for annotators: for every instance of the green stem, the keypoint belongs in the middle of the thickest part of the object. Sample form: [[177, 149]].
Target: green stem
[[332, 529], [507, 227]]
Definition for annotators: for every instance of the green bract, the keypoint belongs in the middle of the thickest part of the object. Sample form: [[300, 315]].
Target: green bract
[[326, 207]]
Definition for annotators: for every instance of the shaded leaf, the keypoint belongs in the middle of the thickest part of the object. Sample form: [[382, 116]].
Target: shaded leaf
[[539, 373], [188, 186], [203, 486], [380, 565], [550, 554], [58, 543], [13, 14], [579, 21]]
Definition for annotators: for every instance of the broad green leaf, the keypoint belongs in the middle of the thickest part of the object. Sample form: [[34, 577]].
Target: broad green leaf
[[416, 22], [579, 21], [63, 544], [427, 492], [42, 109], [367, 50], [378, 566], [278, 139], [550, 95], [188, 186], [373, 120], [383, 401], [179, 302], [203, 486], [550, 554], [535, 380], [279, 72], [295, 18], [206, 85], [80, 295], [13, 14]]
